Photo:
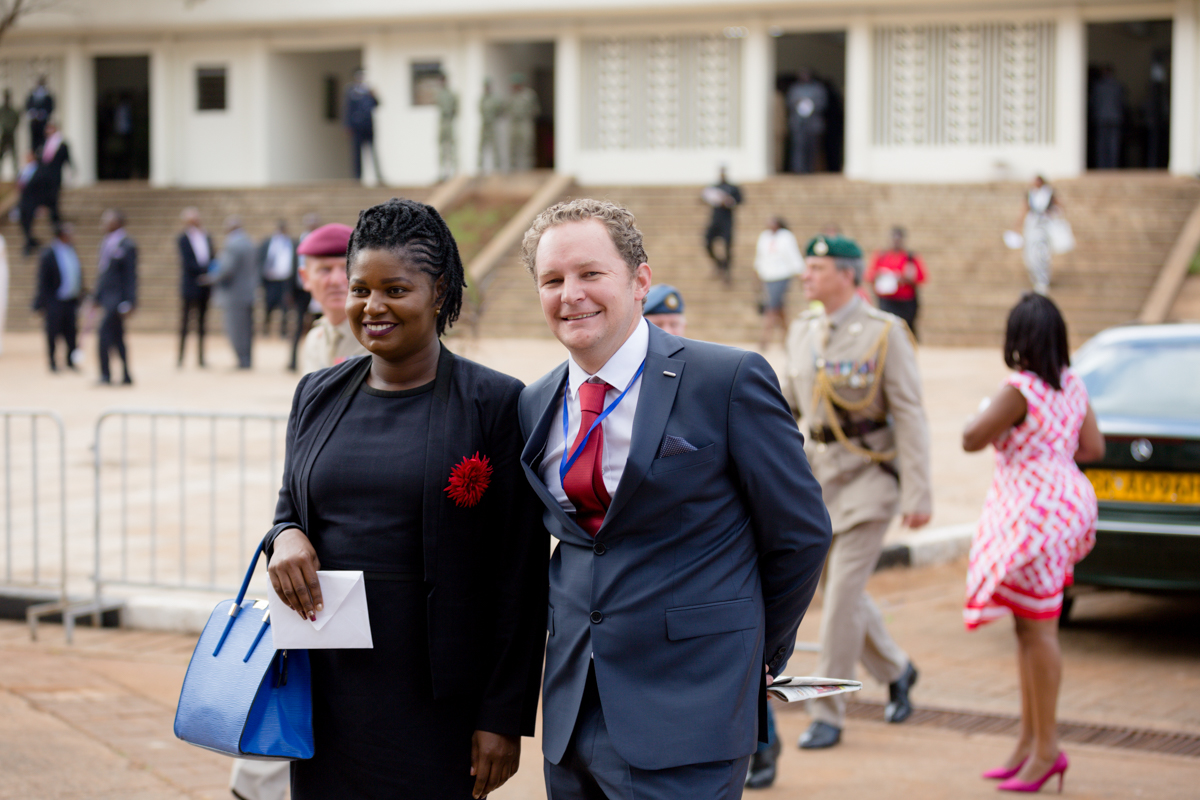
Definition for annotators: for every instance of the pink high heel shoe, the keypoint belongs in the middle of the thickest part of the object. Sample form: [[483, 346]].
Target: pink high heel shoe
[[1003, 773], [1059, 768]]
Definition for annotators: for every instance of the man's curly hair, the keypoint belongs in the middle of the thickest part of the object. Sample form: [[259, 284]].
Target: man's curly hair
[[618, 220]]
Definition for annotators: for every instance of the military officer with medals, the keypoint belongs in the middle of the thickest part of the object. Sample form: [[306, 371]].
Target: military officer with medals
[[853, 383]]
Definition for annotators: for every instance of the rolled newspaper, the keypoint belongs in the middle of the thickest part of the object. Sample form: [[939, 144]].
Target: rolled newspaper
[[792, 690]]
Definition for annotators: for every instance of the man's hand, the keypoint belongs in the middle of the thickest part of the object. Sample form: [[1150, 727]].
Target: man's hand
[[293, 571], [914, 520], [770, 680], [494, 759]]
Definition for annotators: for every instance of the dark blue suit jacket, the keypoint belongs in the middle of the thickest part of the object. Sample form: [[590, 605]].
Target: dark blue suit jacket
[[702, 570], [119, 282]]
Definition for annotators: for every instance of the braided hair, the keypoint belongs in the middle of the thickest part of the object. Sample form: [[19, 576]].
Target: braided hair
[[421, 233]]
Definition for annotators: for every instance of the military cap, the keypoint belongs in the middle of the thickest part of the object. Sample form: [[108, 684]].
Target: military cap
[[833, 247], [663, 299], [328, 240]]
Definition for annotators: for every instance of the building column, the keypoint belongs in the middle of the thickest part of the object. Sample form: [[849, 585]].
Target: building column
[[258, 134], [858, 100], [758, 85], [1185, 82], [79, 113], [375, 62], [568, 83], [470, 91], [1070, 89], [162, 172]]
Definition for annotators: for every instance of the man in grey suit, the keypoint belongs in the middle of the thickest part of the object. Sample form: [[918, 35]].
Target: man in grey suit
[[234, 281], [691, 531]]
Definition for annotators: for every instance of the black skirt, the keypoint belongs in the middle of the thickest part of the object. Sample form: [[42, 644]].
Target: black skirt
[[378, 731]]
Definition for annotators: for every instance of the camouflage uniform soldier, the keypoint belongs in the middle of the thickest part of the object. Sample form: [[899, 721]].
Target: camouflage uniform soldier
[[852, 378], [491, 109], [523, 108], [10, 118], [447, 102]]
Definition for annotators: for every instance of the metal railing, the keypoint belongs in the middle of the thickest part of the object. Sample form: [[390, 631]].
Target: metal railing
[[26, 545], [169, 489]]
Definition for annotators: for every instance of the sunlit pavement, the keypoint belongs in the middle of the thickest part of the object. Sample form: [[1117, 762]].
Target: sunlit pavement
[[93, 719]]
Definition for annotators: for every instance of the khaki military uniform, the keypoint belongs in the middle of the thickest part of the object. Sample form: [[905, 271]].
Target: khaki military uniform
[[491, 109], [523, 108], [327, 345], [852, 380], [447, 102]]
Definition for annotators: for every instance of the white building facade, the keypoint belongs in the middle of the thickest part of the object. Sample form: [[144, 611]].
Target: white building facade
[[248, 92]]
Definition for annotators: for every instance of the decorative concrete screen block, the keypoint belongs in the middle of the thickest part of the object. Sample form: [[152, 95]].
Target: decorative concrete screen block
[[660, 93], [979, 84]]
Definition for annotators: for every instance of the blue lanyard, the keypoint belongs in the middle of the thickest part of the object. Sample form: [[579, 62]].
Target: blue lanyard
[[564, 466]]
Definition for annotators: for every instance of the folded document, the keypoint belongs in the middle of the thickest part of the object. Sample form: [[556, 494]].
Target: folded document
[[343, 622], [791, 690]]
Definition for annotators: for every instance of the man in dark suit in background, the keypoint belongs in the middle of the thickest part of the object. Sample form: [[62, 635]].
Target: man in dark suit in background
[[691, 530], [195, 254], [116, 290], [59, 284], [39, 105], [277, 264]]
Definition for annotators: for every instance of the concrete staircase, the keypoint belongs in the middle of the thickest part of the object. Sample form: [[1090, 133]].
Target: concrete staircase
[[1125, 224], [153, 216]]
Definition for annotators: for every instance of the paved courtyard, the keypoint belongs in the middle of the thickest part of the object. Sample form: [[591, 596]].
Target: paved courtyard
[[93, 719]]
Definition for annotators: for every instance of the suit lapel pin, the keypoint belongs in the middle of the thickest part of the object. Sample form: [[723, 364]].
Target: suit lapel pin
[[669, 374]]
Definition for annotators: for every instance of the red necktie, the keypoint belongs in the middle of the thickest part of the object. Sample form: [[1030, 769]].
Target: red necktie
[[584, 482]]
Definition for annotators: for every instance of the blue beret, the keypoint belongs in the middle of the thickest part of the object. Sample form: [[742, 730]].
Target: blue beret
[[663, 299]]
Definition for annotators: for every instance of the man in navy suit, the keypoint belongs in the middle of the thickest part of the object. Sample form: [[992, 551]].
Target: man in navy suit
[[691, 531]]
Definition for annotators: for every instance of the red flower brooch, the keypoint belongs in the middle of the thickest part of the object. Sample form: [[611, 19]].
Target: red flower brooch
[[469, 480]]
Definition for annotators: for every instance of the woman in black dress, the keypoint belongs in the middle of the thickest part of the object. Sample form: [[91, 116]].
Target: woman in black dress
[[405, 464]]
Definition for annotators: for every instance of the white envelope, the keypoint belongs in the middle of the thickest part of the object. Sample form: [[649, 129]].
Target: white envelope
[[343, 623]]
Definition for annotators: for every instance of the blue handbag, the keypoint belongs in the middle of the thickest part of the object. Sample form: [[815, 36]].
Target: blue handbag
[[241, 697]]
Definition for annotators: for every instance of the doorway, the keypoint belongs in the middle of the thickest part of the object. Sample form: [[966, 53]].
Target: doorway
[[809, 122], [305, 125], [122, 118], [1129, 90], [509, 65]]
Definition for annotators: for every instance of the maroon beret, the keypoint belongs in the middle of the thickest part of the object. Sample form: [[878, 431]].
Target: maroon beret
[[328, 240]]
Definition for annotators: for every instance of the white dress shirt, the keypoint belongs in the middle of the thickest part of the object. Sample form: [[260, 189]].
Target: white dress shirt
[[778, 256], [199, 241], [279, 258], [617, 426]]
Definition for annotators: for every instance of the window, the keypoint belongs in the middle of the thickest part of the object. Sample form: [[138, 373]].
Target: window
[[426, 80], [210, 88], [332, 85]]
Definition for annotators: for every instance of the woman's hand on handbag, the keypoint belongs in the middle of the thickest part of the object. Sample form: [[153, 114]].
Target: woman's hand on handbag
[[293, 571], [494, 759]]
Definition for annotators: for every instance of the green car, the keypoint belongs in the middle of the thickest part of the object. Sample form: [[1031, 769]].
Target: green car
[[1144, 385]]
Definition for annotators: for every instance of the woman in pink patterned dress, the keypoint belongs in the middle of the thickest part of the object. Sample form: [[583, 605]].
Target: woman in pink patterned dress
[[1038, 521]]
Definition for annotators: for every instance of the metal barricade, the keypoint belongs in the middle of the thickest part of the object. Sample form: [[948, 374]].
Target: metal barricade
[[27, 554], [171, 487]]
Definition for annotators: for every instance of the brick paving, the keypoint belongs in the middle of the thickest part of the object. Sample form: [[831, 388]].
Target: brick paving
[[94, 719]]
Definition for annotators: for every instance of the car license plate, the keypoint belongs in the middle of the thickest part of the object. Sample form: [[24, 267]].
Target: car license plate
[[1132, 486]]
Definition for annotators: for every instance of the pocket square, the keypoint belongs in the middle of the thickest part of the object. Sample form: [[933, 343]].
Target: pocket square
[[674, 446]]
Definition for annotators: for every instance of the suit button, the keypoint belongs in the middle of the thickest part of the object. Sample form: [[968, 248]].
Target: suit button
[[599, 549], [596, 617]]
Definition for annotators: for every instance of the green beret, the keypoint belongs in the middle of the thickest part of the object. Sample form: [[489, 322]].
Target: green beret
[[833, 247], [663, 299]]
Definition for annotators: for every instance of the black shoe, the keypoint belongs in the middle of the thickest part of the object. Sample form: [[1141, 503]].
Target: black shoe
[[128, 381], [819, 736], [762, 767], [104, 382], [899, 708]]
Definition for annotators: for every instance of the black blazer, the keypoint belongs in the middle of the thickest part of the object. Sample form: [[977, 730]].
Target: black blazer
[[485, 566], [119, 283], [48, 280], [190, 269]]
